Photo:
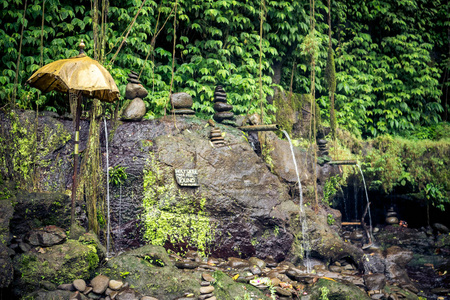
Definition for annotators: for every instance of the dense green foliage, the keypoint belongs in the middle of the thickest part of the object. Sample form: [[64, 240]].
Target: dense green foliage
[[389, 55]]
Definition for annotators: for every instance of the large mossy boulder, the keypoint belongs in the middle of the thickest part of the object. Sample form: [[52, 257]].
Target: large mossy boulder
[[228, 289], [51, 266], [149, 271], [331, 289]]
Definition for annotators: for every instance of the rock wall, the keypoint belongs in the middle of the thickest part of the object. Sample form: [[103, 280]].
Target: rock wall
[[250, 204]]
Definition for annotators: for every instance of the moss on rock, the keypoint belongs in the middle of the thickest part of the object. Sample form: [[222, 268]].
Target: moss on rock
[[228, 289], [57, 264]]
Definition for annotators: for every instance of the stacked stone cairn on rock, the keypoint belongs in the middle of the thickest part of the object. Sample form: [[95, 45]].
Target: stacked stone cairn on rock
[[135, 92], [391, 216], [182, 104], [223, 109], [322, 144], [216, 135]]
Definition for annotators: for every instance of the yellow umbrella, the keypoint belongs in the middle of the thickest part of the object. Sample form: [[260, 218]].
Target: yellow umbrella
[[79, 75]]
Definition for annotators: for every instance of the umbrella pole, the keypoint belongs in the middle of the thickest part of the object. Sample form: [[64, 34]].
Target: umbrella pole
[[75, 157]]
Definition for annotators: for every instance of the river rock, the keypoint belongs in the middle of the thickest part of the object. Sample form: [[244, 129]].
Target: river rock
[[255, 270], [440, 228], [221, 106], [79, 285], [181, 100], [134, 90], [127, 294], [398, 255], [206, 289], [208, 277], [374, 281], [115, 284], [46, 236], [186, 264], [99, 284], [135, 111], [237, 263], [257, 262], [148, 298]]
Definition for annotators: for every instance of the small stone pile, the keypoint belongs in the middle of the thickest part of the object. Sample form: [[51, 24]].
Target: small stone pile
[[182, 104], [135, 111], [391, 216], [216, 135], [223, 109], [101, 287], [206, 291], [322, 144]]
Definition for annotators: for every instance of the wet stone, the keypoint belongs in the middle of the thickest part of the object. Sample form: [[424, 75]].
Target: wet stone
[[219, 116], [257, 262], [66, 287], [255, 270], [79, 284], [221, 106], [374, 281], [206, 289], [99, 284], [205, 296], [237, 263], [208, 277], [115, 284], [283, 292], [186, 264]]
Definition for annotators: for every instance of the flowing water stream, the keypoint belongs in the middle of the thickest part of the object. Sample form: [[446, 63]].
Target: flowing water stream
[[368, 203], [107, 188], [305, 240]]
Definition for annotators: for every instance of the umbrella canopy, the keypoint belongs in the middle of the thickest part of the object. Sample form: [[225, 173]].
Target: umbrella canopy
[[80, 73]]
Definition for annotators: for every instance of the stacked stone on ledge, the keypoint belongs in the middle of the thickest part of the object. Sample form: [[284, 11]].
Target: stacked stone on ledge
[[223, 113], [216, 135], [136, 110], [182, 103], [322, 144]]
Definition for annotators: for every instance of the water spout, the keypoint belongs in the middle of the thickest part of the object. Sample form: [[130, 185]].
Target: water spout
[[107, 189], [305, 241]]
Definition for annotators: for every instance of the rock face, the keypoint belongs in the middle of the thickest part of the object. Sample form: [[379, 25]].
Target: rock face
[[248, 207]]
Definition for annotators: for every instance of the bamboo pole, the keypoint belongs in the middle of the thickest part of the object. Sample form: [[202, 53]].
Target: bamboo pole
[[270, 127]]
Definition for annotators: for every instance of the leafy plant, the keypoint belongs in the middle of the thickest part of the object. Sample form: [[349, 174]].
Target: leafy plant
[[117, 175]]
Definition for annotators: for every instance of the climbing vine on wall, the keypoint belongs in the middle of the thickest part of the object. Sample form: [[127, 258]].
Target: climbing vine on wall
[[391, 56]]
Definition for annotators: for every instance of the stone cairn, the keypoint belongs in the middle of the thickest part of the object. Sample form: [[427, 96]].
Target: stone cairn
[[216, 134], [182, 104], [322, 144], [135, 92], [223, 113], [391, 216]]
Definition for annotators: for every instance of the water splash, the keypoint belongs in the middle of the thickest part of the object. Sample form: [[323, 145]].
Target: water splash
[[107, 189], [305, 240]]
